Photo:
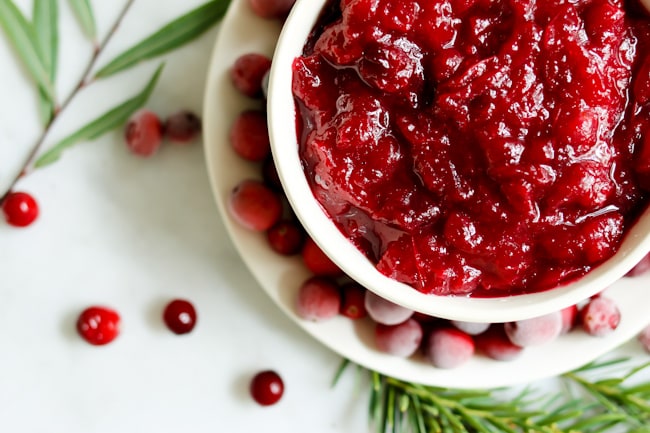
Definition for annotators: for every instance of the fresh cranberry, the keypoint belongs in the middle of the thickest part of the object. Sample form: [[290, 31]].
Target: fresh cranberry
[[255, 206], [182, 127], [20, 209], [286, 238], [495, 344], [319, 298], [449, 347], [353, 301], [317, 261], [247, 73], [383, 311], [249, 136], [271, 8], [267, 387], [400, 340], [600, 316], [143, 133], [644, 339], [535, 331], [180, 316], [98, 325]]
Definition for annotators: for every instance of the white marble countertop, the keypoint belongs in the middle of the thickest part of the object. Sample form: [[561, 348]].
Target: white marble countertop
[[132, 234]]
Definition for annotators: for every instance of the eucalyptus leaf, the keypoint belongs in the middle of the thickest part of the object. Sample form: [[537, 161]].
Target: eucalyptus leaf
[[84, 13], [171, 36], [46, 16], [23, 39], [113, 118]]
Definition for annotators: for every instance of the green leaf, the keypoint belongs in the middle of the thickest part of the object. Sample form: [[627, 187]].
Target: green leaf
[[45, 17], [169, 37], [23, 39], [84, 13], [113, 118]]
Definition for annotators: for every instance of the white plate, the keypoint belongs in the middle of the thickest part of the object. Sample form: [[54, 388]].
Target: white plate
[[242, 32]]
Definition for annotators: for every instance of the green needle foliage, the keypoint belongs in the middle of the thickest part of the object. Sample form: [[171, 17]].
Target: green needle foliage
[[396, 406]]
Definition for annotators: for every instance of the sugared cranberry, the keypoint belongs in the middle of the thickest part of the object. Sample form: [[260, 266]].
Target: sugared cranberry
[[317, 261], [143, 133], [249, 136], [20, 209], [640, 268], [255, 206], [399, 340], [353, 298], [495, 344], [319, 298], [286, 238], [535, 331], [383, 311], [448, 347], [600, 316], [644, 338], [569, 318], [267, 387], [180, 316], [471, 328], [98, 325], [182, 127], [271, 8], [247, 73]]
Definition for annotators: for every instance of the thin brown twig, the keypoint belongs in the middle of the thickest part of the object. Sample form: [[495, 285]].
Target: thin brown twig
[[59, 109]]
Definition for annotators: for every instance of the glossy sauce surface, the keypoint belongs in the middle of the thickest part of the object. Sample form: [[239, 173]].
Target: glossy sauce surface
[[482, 148]]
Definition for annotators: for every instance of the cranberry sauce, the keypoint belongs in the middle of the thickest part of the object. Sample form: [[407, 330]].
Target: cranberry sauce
[[478, 147]]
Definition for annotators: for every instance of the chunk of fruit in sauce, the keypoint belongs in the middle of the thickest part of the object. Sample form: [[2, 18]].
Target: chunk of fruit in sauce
[[478, 148]]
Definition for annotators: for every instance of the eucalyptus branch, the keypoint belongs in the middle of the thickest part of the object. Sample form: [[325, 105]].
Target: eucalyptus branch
[[58, 111]]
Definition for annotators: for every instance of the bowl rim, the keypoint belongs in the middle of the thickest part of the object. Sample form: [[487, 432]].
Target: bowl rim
[[284, 145]]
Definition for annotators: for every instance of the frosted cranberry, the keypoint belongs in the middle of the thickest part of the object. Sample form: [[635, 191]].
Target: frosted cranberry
[[180, 316], [267, 387], [247, 73], [535, 331], [399, 340], [644, 339], [98, 325], [353, 298], [319, 298], [448, 347], [384, 311], [20, 209], [471, 328], [270, 175], [182, 127], [286, 238], [255, 206], [569, 318], [600, 316], [249, 136], [640, 268], [317, 261], [495, 344], [143, 133], [271, 8]]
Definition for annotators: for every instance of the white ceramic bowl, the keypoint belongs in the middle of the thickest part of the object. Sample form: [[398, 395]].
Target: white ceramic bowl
[[284, 143]]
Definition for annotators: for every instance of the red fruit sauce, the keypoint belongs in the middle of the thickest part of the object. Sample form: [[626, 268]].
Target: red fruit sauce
[[479, 147]]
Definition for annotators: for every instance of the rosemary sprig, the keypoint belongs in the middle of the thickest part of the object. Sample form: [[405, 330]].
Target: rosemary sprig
[[397, 406]]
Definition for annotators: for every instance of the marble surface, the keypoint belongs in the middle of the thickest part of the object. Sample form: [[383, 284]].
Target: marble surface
[[132, 234]]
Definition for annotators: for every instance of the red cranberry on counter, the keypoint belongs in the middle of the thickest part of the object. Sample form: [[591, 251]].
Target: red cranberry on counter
[[143, 133], [180, 316], [182, 127], [20, 209], [98, 325], [267, 387]]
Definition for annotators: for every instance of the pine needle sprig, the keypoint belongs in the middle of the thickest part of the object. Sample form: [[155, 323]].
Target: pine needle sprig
[[397, 406]]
